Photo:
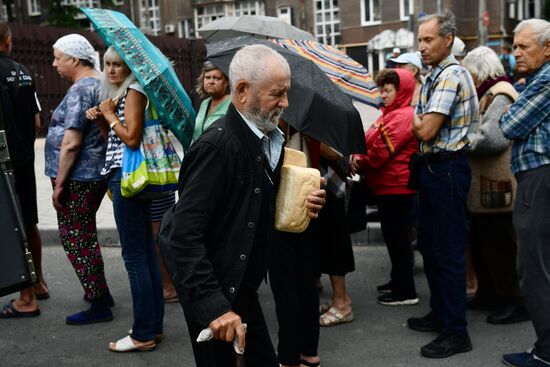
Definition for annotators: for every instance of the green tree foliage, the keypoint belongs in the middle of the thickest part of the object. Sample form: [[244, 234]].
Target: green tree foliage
[[63, 15]]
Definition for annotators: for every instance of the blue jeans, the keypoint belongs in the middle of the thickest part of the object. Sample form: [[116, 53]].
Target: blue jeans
[[443, 189], [139, 254]]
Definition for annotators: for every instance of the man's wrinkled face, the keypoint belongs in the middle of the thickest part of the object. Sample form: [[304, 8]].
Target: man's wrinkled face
[[268, 99], [529, 53]]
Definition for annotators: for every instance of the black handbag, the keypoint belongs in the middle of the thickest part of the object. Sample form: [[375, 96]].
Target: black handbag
[[360, 195]]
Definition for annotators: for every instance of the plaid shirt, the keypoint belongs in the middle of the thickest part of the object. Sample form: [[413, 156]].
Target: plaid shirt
[[527, 123], [453, 95]]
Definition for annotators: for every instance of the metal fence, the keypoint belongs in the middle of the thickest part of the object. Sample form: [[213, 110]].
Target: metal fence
[[32, 47]]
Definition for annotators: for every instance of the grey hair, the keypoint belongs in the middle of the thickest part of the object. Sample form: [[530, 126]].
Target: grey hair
[[484, 63], [108, 90], [445, 20], [250, 64], [199, 88], [540, 27]]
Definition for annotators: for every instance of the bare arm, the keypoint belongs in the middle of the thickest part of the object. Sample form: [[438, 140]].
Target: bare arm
[[129, 134], [329, 153], [425, 127], [70, 147], [94, 114], [37, 121]]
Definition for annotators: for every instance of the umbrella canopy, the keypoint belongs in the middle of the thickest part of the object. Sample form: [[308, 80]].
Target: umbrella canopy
[[256, 25], [152, 69], [317, 106], [347, 73]]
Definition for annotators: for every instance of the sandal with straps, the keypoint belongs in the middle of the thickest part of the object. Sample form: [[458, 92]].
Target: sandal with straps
[[304, 363], [126, 344], [334, 317]]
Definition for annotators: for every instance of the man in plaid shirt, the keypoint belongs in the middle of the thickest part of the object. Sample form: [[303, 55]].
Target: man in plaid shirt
[[447, 112], [527, 124]]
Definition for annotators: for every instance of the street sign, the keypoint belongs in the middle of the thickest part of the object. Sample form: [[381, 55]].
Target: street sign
[[486, 18]]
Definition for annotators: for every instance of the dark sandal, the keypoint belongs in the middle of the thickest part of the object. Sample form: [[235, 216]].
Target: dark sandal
[[43, 296], [9, 312], [304, 363]]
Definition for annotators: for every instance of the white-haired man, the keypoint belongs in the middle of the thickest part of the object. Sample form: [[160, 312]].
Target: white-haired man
[[222, 225], [527, 124]]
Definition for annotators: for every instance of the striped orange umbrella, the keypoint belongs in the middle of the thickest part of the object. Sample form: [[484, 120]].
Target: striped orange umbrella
[[347, 73]]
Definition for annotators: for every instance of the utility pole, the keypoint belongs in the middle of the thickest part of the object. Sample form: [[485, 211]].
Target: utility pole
[[483, 23]]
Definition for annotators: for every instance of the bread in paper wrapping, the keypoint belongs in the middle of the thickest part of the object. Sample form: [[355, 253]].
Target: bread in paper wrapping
[[297, 182]]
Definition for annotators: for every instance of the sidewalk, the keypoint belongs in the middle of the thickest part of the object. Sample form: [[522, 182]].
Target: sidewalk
[[106, 227], [378, 336]]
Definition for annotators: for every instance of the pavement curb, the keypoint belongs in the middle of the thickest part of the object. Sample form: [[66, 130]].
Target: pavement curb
[[108, 237], [371, 236]]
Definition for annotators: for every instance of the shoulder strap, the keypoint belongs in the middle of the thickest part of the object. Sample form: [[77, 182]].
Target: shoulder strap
[[435, 79], [504, 88], [501, 88]]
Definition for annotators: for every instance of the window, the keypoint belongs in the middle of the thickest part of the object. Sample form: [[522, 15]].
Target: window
[[150, 16], [185, 29], [285, 14], [515, 9], [406, 7], [247, 8], [207, 14], [370, 12], [33, 7], [82, 3], [327, 21]]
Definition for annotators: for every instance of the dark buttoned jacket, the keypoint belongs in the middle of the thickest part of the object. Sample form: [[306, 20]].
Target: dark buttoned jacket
[[215, 220]]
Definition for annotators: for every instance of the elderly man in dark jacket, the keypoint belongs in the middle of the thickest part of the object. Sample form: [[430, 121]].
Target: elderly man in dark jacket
[[223, 223]]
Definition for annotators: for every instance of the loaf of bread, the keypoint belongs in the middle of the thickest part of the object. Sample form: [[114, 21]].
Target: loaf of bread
[[291, 213], [294, 157]]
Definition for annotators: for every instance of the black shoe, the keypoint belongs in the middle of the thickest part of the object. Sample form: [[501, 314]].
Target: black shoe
[[384, 288], [430, 322], [509, 315], [391, 299], [481, 304], [446, 345]]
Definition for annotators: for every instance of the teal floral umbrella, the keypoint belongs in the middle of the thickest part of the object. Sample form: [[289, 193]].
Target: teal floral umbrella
[[152, 69]]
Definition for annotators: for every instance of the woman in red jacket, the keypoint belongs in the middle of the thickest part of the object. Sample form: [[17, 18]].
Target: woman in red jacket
[[390, 145]]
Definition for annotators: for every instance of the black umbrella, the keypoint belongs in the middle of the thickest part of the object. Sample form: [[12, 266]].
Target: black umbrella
[[317, 106]]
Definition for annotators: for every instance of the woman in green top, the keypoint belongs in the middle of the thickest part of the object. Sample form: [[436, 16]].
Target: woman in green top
[[212, 83]]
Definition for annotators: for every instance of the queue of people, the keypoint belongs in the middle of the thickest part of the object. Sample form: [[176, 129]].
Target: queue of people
[[459, 141]]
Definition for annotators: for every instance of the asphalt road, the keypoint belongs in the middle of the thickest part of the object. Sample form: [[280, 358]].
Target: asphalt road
[[377, 337]]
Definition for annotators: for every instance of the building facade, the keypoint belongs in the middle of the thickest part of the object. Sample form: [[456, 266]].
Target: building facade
[[366, 29], [370, 29]]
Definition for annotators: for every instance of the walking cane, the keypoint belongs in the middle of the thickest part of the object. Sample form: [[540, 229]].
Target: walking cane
[[206, 335]]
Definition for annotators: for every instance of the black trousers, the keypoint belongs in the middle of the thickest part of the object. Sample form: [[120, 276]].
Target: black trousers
[[395, 213], [494, 250], [292, 281], [259, 350]]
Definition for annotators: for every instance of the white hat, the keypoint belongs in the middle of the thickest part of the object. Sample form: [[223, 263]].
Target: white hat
[[408, 58], [459, 48], [396, 50]]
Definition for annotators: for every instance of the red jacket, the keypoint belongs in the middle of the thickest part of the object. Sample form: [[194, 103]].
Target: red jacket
[[390, 143]]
